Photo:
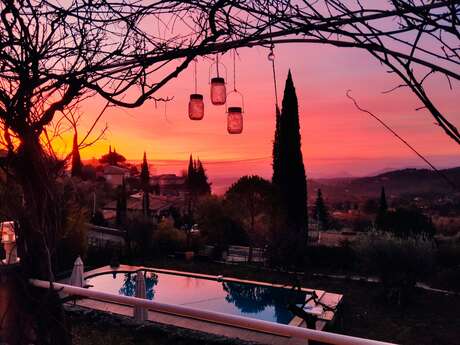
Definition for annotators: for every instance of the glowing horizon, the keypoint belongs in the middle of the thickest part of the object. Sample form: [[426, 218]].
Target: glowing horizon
[[336, 137]]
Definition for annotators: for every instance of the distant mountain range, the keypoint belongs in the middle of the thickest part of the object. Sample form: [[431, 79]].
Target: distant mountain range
[[414, 182]]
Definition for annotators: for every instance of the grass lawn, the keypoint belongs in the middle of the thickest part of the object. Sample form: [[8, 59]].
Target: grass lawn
[[431, 318]]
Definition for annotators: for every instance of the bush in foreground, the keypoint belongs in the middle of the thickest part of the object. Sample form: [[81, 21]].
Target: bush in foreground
[[398, 262]]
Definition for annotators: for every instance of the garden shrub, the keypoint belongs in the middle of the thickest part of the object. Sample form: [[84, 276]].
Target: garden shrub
[[398, 262], [167, 239], [342, 257]]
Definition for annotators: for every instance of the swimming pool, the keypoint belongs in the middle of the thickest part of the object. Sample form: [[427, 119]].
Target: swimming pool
[[261, 302]]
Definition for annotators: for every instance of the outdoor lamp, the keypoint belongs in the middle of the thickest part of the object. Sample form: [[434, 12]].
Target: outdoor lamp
[[235, 120], [218, 91], [196, 107], [9, 242]]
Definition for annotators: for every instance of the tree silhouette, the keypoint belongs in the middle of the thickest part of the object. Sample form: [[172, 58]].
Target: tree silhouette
[[112, 157], [197, 183], [249, 198], [277, 168], [145, 174], [290, 171], [77, 165], [382, 210], [320, 213], [145, 185]]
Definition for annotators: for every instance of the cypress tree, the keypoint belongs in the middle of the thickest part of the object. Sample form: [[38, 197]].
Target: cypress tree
[[203, 186], [145, 185], [382, 211], [289, 171], [77, 166], [145, 174], [191, 173], [275, 152], [320, 212], [145, 203]]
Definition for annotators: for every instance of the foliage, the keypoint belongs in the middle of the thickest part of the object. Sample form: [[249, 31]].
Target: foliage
[[98, 219], [248, 201], [370, 206], [140, 232], [406, 222], [382, 210], [288, 169], [216, 226], [77, 165], [398, 262], [168, 239], [330, 258], [112, 158], [276, 149], [145, 174], [320, 212], [71, 241], [197, 180]]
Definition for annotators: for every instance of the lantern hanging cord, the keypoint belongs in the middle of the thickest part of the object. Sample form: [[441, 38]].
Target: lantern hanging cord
[[272, 59], [196, 83], [217, 64], [234, 70]]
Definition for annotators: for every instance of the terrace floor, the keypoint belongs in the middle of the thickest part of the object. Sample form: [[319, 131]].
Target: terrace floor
[[330, 299]]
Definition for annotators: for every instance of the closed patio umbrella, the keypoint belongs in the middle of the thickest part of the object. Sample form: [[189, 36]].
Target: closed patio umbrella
[[77, 278], [140, 313]]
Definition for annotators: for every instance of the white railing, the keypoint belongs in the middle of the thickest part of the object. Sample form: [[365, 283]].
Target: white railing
[[212, 316]]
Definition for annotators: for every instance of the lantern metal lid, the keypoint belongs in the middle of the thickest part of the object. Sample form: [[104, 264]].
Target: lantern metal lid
[[196, 96], [218, 80], [235, 110]]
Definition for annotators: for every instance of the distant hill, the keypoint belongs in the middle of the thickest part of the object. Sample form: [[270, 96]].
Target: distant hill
[[413, 182]]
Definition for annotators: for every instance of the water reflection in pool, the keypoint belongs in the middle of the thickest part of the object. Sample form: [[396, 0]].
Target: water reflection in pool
[[250, 300]]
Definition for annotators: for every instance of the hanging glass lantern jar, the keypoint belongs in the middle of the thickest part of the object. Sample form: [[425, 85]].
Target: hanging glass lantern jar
[[235, 108], [196, 107], [218, 87], [235, 120], [196, 104], [218, 91]]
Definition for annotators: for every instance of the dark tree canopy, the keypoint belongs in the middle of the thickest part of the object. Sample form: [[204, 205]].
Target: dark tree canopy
[[197, 180], [407, 222], [112, 157], [289, 169], [382, 210], [320, 212], [249, 198]]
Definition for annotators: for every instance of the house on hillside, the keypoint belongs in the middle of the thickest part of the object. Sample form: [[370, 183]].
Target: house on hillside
[[159, 205], [169, 185], [114, 175]]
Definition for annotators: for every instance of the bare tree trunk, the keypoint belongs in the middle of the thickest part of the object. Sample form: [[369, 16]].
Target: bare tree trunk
[[40, 221]]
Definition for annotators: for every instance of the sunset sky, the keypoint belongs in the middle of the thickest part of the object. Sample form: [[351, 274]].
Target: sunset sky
[[337, 139]]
